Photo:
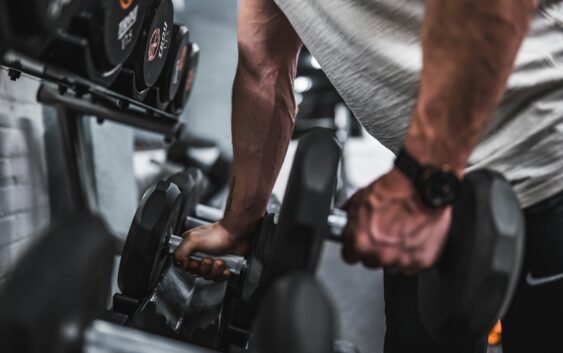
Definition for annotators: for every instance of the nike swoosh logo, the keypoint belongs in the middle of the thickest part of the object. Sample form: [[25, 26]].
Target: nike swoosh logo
[[538, 281]]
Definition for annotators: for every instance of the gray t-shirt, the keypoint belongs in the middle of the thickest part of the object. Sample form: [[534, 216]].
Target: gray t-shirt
[[370, 50]]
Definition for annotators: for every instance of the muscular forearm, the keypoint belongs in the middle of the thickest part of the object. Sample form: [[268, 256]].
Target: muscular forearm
[[469, 48], [263, 110]]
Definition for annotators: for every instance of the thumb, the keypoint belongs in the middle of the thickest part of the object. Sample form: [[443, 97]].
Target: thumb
[[186, 247]]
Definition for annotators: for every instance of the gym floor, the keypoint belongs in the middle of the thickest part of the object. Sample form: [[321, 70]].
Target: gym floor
[[356, 292]]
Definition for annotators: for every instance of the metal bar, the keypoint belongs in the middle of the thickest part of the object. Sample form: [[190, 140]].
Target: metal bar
[[235, 264], [104, 337], [77, 165], [205, 214], [162, 125]]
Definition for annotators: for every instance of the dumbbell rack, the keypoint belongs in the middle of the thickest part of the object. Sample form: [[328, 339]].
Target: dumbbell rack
[[75, 98]]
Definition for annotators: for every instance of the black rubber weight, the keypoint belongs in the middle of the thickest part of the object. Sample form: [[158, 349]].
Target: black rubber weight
[[158, 43], [302, 224], [43, 16], [60, 285], [146, 248], [461, 298], [188, 78], [193, 186], [173, 72], [296, 316], [117, 25]]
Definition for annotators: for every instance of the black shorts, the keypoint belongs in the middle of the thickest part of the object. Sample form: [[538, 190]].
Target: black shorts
[[534, 321]]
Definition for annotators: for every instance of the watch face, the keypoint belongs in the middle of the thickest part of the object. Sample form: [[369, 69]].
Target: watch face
[[439, 188]]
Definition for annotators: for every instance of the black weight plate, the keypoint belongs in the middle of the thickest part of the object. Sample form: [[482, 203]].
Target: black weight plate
[[193, 185], [189, 76], [59, 286], [302, 223], [157, 43], [117, 25], [173, 72], [146, 247], [42, 16], [462, 297], [296, 317]]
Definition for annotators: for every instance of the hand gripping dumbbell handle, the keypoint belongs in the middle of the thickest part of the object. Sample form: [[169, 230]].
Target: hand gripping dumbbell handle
[[236, 264]]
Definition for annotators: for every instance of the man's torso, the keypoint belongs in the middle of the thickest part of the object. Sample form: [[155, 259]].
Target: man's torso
[[370, 50]]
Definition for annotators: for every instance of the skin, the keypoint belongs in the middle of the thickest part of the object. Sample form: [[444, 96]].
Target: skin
[[469, 49]]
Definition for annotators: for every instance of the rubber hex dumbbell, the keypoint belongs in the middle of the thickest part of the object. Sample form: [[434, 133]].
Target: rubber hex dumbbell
[[299, 231]]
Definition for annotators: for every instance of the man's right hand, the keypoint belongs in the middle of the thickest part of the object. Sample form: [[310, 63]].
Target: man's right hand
[[213, 239]]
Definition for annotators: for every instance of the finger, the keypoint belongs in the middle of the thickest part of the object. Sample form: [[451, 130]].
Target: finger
[[193, 266], [205, 266], [371, 262], [216, 270], [352, 200], [389, 256], [349, 253], [224, 276], [184, 250], [407, 264], [367, 251]]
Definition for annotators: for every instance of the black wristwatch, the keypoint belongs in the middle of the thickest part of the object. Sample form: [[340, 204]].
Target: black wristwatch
[[437, 186]]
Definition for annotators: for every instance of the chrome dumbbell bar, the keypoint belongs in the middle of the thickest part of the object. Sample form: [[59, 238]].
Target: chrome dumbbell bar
[[236, 264]]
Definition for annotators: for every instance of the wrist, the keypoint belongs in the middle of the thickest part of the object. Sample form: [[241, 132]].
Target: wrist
[[239, 226], [437, 185], [397, 183], [435, 146]]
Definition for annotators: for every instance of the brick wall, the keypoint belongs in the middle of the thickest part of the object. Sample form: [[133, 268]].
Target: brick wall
[[24, 199]]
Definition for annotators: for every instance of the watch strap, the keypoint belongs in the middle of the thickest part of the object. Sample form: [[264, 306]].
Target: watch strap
[[408, 165]]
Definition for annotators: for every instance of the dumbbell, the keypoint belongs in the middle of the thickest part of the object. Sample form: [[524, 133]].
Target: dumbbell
[[112, 28], [151, 51], [300, 226], [55, 300], [460, 298]]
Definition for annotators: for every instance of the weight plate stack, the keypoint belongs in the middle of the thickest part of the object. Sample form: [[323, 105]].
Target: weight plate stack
[[145, 252], [173, 72], [151, 51]]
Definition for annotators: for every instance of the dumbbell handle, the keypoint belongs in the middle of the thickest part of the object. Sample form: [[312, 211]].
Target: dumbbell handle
[[205, 215], [236, 264]]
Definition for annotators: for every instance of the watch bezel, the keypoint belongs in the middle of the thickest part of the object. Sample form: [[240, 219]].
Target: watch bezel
[[428, 194]]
